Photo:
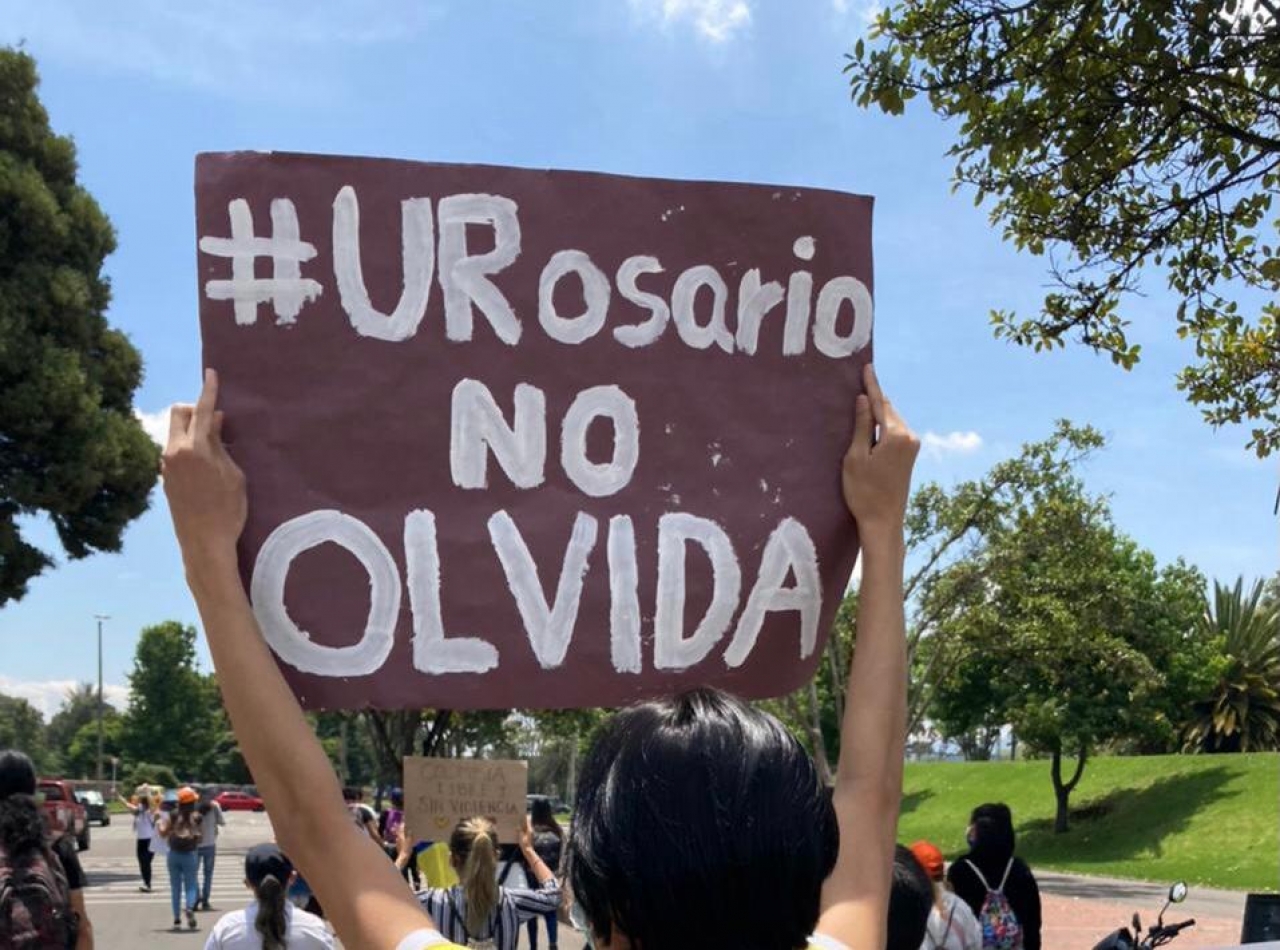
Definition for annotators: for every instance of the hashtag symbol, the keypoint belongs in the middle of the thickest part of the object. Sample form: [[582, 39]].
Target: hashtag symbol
[[287, 290]]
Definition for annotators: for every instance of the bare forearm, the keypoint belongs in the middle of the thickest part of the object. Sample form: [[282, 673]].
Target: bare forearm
[[541, 872], [872, 736], [278, 745]]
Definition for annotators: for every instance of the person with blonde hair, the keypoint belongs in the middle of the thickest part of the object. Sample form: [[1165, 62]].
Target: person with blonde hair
[[145, 810], [477, 912]]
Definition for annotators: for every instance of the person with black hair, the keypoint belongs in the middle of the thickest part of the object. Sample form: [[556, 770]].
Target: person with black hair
[[362, 816], [650, 868], [989, 868], [45, 882], [548, 842], [910, 900], [270, 922]]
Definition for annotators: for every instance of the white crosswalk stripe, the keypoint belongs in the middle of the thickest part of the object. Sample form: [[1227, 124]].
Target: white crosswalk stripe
[[116, 881]]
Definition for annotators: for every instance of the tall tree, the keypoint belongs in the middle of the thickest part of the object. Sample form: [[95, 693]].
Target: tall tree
[[948, 531], [80, 706], [1069, 637], [70, 446], [1116, 137], [172, 716], [22, 728], [1240, 711]]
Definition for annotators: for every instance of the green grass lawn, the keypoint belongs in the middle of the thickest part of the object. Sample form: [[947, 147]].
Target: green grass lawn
[[1211, 820]]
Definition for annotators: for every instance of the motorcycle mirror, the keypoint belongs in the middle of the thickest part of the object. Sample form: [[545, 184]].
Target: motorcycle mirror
[[1178, 893]]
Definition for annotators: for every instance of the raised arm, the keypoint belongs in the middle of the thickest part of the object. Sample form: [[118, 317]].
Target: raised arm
[[368, 903], [877, 480]]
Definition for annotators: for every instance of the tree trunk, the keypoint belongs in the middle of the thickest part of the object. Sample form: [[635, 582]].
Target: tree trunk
[[1062, 790]]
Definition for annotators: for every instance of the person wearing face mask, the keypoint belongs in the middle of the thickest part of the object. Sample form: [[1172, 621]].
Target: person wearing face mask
[[996, 884]]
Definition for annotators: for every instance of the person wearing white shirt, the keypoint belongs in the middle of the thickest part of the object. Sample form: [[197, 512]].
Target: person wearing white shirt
[[270, 922], [952, 925]]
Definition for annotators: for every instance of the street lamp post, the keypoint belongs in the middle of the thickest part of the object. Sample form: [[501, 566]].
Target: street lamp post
[[100, 618]]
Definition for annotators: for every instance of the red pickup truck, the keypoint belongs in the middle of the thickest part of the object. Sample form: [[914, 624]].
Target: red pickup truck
[[63, 811]]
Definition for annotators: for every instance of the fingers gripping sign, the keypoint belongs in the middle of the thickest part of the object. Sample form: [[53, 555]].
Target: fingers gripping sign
[[203, 484], [877, 467]]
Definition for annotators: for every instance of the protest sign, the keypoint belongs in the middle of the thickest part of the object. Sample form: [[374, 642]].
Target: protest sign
[[438, 793], [531, 438]]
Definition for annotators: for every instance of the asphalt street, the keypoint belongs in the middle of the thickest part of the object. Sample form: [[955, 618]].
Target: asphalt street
[[1078, 910], [125, 919]]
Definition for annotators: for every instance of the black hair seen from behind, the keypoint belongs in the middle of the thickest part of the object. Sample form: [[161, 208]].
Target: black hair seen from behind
[[910, 900], [701, 821]]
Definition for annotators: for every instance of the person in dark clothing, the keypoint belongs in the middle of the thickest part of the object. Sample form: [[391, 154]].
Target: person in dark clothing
[[991, 853], [910, 900], [24, 834], [548, 842]]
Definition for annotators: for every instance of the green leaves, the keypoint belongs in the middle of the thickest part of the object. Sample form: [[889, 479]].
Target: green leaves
[[1117, 137], [70, 446]]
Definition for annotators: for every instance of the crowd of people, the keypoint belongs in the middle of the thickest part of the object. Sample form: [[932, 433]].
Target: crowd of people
[[684, 805]]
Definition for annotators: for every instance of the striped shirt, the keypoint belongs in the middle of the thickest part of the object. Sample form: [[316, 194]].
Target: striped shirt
[[515, 905]]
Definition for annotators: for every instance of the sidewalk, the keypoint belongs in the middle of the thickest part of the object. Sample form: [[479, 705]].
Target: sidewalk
[[1079, 911]]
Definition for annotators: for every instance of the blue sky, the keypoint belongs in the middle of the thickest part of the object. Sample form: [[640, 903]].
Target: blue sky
[[746, 90]]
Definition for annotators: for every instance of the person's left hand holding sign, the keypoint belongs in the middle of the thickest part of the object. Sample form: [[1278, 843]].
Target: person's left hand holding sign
[[205, 487]]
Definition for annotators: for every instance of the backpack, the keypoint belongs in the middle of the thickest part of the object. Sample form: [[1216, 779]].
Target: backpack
[[1000, 927], [184, 833], [35, 903]]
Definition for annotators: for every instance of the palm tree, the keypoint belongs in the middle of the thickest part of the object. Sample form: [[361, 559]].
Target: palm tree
[[1242, 713]]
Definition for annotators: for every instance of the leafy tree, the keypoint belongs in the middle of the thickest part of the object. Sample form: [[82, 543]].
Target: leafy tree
[[1116, 137], [70, 446], [1070, 636], [145, 773], [80, 758], [172, 717], [22, 728], [1240, 712], [79, 707]]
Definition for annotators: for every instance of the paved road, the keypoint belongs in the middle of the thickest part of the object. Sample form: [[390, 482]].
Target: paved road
[[125, 919], [1078, 910]]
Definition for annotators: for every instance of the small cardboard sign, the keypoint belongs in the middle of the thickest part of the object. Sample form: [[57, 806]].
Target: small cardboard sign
[[538, 439], [438, 793]]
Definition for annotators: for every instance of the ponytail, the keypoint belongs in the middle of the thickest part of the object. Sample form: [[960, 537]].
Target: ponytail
[[271, 922], [21, 825], [476, 841]]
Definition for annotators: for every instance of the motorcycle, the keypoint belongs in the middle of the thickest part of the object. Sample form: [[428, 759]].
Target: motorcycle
[[1157, 936]]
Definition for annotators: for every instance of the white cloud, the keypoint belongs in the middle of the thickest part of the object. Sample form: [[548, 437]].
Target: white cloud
[[48, 695], [714, 20], [155, 424], [950, 443], [866, 10]]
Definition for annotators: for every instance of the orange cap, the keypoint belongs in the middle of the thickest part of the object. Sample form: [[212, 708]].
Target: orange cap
[[930, 858], [187, 795]]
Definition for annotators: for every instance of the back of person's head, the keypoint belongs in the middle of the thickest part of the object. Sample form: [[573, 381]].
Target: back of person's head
[[351, 794], [684, 806], [930, 857], [474, 844], [541, 816], [910, 900], [267, 871], [21, 823], [992, 834], [397, 798]]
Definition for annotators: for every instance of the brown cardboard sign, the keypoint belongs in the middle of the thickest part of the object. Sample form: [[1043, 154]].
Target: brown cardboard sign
[[438, 793], [523, 438]]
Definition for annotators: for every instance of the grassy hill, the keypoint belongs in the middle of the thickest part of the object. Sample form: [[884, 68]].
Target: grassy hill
[[1211, 820]]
